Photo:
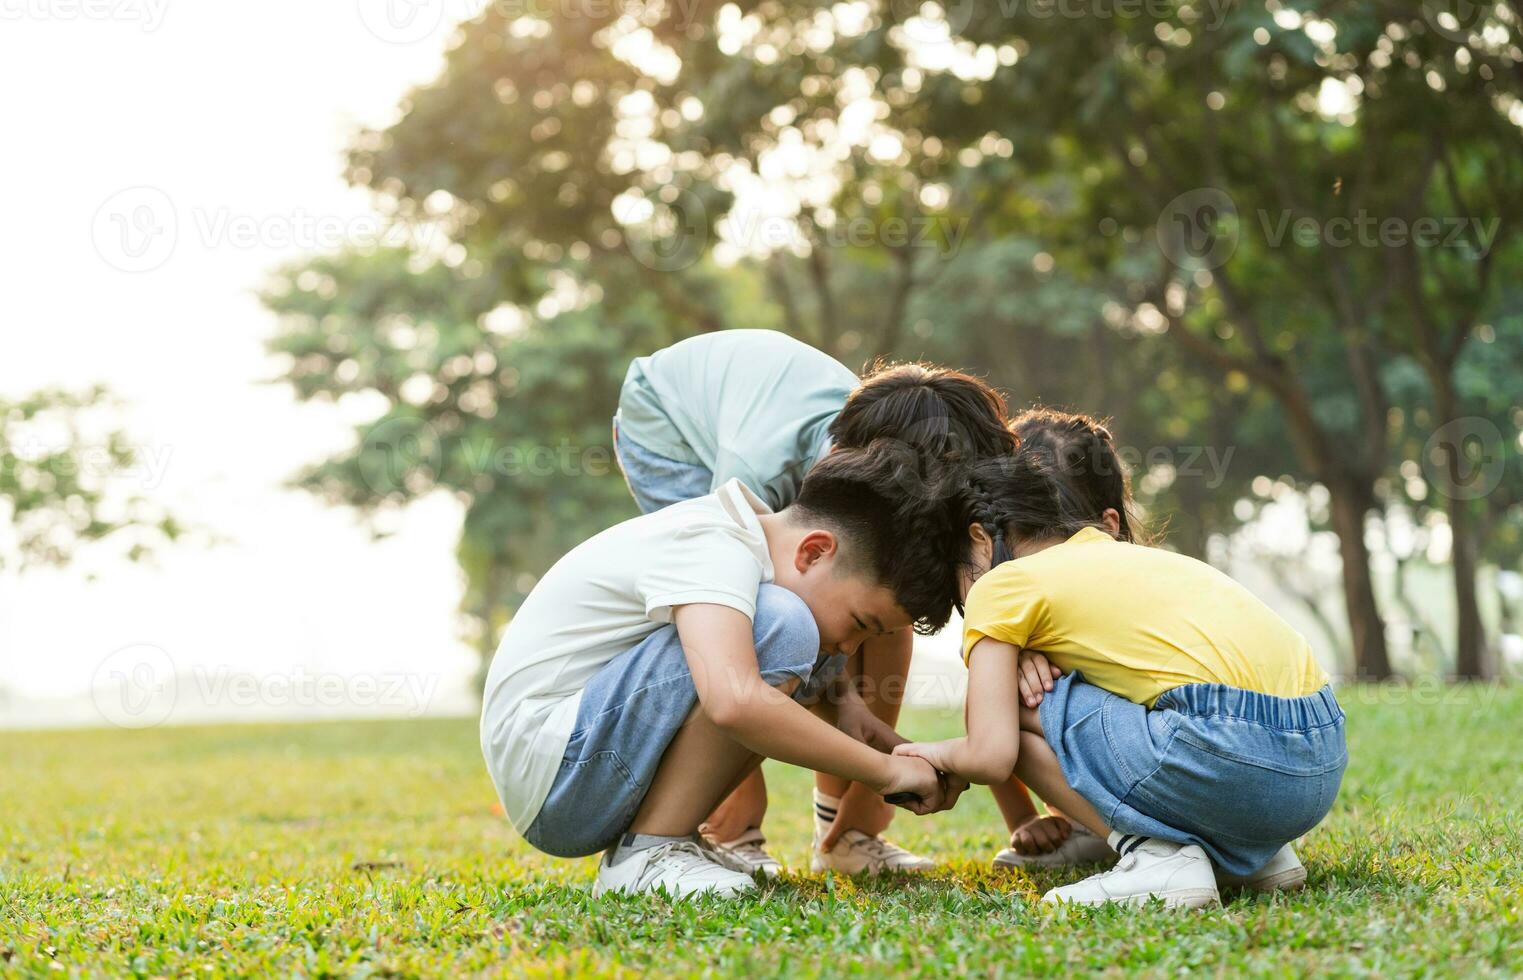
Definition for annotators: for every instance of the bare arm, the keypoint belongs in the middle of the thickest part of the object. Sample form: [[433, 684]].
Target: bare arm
[[722, 657], [988, 753]]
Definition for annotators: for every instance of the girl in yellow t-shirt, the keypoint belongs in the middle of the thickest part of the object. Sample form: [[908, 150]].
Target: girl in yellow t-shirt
[[1143, 693]]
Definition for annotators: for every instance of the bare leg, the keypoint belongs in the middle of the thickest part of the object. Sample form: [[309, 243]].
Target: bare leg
[[1037, 766], [1014, 802], [743, 809], [883, 665], [699, 769]]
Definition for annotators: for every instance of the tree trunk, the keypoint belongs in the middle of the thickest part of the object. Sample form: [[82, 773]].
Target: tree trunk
[[1470, 636], [1350, 503]]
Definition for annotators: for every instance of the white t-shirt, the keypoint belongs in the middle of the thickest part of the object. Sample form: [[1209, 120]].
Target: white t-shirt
[[603, 597]]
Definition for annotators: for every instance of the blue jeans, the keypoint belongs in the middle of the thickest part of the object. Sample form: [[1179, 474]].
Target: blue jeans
[[656, 481], [1241, 774], [633, 708]]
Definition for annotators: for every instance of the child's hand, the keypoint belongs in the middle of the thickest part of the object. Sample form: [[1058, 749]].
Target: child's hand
[[1040, 835], [936, 753], [912, 775], [1035, 674], [861, 724]]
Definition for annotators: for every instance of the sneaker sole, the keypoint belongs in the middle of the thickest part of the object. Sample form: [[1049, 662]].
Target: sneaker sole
[[1192, 898], [599, 892], [1044, 861], [1289, 880], [820, 867]]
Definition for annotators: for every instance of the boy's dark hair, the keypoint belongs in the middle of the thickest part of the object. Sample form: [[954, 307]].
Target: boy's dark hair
[[1080, 451], [937, 411], [904, 540]]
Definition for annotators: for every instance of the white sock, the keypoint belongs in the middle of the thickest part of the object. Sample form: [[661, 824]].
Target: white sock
[[825, 807], [1124, 844]]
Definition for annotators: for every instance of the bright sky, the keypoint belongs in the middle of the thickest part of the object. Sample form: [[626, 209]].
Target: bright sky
[[231, 119]]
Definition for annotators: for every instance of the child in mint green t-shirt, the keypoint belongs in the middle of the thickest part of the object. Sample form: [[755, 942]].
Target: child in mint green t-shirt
[[764, 408]]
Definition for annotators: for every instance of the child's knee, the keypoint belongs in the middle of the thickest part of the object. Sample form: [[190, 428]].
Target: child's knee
[[786, 637]]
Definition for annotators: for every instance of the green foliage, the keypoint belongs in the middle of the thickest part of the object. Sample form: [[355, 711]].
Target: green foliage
[[1067, 176], [375, 849], [68, 480]]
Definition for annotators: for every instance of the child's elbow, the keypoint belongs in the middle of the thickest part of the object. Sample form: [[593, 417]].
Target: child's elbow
[[994, 764], [727, 712]]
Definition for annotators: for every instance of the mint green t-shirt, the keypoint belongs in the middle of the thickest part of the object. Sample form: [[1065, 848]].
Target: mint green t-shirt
[[747, 404]]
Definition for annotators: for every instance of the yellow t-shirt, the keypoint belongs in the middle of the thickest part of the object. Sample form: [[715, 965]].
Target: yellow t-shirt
[[1139, 621]]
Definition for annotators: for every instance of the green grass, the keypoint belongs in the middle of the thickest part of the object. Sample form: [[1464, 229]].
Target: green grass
[[375, 849]]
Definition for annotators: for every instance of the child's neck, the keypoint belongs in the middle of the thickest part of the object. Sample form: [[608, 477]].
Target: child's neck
[[1030, 546]]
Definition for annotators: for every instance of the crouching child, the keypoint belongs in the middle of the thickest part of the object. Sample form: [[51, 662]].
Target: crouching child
[[660, 661]]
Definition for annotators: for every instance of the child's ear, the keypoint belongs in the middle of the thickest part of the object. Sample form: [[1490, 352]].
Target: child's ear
[[813, 548], [1112, 521]]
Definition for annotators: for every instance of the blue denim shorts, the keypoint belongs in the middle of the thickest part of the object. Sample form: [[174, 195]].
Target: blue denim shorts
[[633, 708], [1239, 773], [654, 480]]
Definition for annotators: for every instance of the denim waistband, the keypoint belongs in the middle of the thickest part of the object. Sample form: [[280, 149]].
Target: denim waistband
[[1316, 710]]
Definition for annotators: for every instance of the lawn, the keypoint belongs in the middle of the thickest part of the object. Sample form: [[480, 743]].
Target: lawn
[[376, 848]]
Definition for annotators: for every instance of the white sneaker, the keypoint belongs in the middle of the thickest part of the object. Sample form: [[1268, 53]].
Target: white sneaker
[[1081, 847], [749, 851], [681, 868], [1179, 874], [1283, 873], [856, 852]]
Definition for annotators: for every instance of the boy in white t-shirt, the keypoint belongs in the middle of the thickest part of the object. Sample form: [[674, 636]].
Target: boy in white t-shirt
[[658, 662]]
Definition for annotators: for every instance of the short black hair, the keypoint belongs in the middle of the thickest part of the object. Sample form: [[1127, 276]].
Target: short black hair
[[904, 539], [935, 410]]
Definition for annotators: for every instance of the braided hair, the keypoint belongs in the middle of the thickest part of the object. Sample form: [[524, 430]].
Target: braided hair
[[1019, 498], [1081, 452]]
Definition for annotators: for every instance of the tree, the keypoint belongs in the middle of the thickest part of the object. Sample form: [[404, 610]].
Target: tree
[[64, 479]]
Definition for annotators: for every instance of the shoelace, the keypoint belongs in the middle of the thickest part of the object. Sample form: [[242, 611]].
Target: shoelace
[[751, 851], [883, 850], [687, 855]]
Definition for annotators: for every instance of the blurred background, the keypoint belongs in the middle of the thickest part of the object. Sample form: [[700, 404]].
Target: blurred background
[[315, 314]]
